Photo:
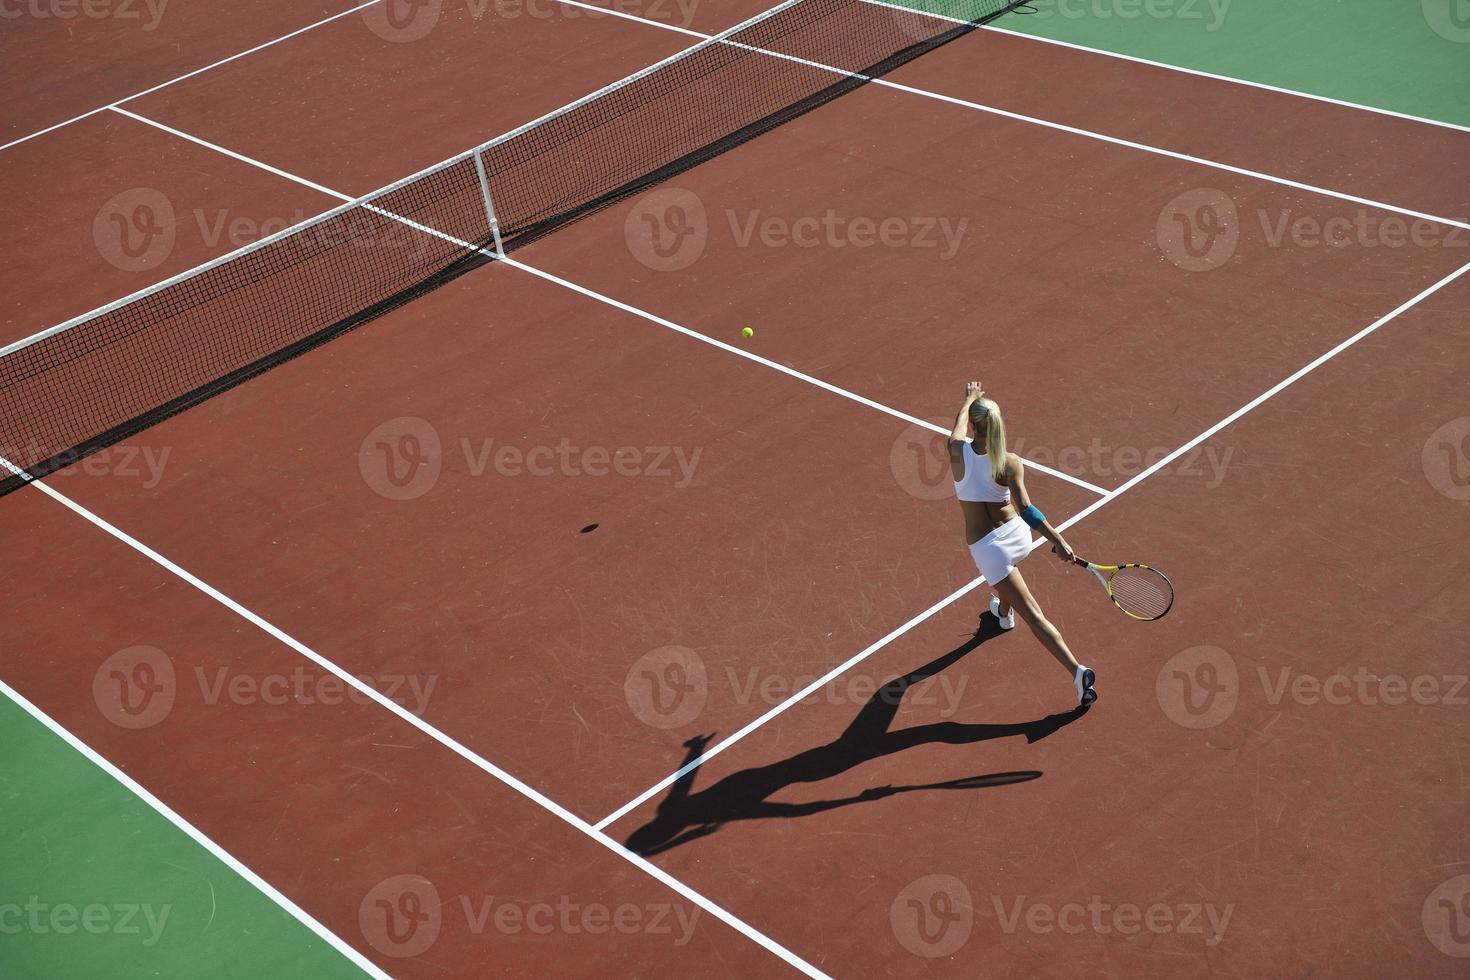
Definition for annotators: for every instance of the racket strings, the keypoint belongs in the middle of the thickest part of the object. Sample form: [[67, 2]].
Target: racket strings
[[1141, 591]]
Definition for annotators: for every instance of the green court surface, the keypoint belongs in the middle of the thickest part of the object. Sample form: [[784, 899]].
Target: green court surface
[[96, 883], [1409, 56]]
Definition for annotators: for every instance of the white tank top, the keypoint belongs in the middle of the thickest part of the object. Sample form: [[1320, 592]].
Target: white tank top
[[978, 485]]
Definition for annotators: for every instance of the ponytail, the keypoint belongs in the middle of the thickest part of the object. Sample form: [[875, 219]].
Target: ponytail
[[985, 416]]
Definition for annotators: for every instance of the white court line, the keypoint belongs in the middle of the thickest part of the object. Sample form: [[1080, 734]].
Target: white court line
[[1091, 508], [469, 755], [592, 294], [1175, 155], [286, 232], [1103, 52], [774, 365], [196, 71], [194, 833], [1061, 127]]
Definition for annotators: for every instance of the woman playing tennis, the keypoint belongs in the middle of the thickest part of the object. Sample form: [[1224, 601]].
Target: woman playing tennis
[[997, 533]]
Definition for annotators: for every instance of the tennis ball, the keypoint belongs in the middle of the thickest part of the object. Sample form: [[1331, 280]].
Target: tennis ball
[[747, 332]]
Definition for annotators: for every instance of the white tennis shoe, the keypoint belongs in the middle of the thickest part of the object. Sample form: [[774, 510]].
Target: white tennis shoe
[[1083, 681], [1010, 619]]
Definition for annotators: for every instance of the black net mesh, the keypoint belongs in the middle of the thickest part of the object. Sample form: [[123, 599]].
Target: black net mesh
[[122, 370]]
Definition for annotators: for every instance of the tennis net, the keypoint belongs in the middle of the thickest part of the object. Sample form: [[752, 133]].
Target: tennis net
[[93, 381]]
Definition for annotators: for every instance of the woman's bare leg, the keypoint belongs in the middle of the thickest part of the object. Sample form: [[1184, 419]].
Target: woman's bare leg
[[1013, 592]]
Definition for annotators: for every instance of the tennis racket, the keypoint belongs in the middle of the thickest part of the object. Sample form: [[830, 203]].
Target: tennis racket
[[1140, 591]]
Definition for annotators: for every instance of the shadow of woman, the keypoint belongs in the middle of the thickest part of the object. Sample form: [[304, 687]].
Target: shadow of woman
[[685, 815]]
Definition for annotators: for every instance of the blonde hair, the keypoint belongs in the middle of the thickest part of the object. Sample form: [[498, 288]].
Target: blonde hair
[[985, 417]]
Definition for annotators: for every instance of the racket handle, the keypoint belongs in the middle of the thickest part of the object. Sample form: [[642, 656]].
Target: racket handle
[[1081, 561]]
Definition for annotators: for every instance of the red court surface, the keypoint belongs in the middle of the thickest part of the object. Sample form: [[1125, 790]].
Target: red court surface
[[73, 58], [261, 765], [1306, 816], [414, 503], [1055, 257]]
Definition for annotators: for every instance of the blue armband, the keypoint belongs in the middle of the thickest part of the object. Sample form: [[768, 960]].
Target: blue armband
[[1033, 517]]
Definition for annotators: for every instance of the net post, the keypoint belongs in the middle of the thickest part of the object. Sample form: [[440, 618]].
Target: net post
[[489, 205]]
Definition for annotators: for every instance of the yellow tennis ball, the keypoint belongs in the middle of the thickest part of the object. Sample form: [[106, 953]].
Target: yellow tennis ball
[[747, 332]]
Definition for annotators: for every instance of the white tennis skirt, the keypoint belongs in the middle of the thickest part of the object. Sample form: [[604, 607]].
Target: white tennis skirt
[[1002, 549]]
